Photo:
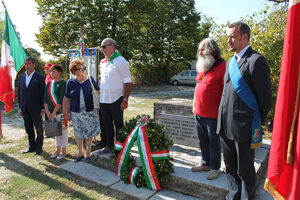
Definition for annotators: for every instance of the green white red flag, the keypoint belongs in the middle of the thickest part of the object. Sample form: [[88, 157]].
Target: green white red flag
[[12, 60], [283, 178], [81, 45]]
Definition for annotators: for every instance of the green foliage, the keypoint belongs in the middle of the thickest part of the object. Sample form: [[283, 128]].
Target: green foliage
[[158, 141], [280, 1], [267, 36], [2, 25], [167, 36], [158, 37]]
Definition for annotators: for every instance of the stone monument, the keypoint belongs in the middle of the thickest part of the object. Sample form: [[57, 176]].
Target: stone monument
[[178, 120]]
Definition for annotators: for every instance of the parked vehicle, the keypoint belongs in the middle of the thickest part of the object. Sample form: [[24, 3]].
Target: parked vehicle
[[185, 77]]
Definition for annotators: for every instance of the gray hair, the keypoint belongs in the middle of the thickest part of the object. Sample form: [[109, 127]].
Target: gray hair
[[210, 47], [243, 28], [111, 41]]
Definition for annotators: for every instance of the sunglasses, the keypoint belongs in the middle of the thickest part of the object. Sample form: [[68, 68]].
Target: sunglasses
[[106, 45], [81, 69]]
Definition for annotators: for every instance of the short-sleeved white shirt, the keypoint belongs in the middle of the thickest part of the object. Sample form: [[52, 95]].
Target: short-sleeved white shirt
[[113, 77]]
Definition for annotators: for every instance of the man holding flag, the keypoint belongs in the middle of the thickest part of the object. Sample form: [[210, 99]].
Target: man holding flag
[[12, 60], [283, 178]]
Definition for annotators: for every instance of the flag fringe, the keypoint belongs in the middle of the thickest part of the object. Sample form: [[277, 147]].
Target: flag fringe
[[6, 94], [290, 156], [255, 145], [272, 190]]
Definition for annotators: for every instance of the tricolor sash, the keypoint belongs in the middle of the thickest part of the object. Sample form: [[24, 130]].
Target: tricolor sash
[[138, 133], [245, 93], [113, 56], [54, 101]]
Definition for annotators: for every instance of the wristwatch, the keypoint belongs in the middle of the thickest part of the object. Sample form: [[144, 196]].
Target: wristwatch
[[125, 99]]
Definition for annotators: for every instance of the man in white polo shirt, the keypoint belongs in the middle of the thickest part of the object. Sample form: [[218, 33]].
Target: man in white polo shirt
[[114, 90]]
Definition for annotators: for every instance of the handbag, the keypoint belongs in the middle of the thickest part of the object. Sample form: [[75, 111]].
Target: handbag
[[53, 128], [96, 97]]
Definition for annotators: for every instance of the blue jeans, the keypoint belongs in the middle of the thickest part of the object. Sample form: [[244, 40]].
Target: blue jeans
[[209, 142]]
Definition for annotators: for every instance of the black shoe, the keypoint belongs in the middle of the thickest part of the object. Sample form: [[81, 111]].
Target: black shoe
[[38, 152], [78, 158], [87, 159], [107, 149], [100, 145], [28, 151]]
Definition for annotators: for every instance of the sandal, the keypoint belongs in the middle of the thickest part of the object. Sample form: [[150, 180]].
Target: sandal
[[78, 158]]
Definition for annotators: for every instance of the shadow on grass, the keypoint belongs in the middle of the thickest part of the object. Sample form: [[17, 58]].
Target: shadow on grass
[[21, 168], [38, 176], [72, 140]]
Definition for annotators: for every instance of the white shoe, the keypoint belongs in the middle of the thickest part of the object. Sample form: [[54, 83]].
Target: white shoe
[[53, 156], [60, 157]]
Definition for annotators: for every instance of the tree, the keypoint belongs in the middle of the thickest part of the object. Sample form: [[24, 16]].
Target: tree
[[2, 25], [168, 33], [279, 1], [267, 36], [159, 37]]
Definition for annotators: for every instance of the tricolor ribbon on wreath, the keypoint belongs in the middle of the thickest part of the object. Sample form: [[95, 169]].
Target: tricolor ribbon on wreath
[[146, 157]]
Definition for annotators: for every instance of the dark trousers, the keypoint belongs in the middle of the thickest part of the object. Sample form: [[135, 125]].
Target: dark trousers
[[32, 120], [209, 142], [112, 117], [239, 162], [102, 135]]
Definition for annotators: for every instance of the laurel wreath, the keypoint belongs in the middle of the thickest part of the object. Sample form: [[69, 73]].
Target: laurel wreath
[[158, 141]]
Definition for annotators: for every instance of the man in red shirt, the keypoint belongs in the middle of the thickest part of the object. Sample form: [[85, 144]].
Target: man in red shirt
[[210, 74], [47, 68]]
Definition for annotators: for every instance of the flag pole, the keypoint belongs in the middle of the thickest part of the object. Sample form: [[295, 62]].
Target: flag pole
[[5, 9], [1, 135]]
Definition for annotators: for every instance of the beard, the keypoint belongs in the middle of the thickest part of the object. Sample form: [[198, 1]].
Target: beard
[[204, 63]]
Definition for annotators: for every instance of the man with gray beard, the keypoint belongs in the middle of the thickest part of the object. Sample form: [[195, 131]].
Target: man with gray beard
[[210, 74]]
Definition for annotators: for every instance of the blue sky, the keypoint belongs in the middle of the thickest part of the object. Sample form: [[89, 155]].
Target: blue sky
[[23, 15], [222, 11]]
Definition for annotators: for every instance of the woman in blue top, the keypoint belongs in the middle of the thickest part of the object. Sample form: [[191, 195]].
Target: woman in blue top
[[78, 107]]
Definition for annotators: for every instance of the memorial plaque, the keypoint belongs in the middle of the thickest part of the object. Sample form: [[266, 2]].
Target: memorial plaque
[[181, 129]]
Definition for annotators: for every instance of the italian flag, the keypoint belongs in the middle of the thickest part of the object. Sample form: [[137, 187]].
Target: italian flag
[[12, 60]]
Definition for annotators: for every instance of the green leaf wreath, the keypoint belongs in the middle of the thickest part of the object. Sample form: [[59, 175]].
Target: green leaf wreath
[[158, 141]]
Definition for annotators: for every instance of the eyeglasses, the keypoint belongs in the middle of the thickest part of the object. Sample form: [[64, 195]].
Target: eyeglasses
[[105, 45], [81, 69]]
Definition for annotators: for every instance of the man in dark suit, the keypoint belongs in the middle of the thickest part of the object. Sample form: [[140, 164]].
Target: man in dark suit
[[31, 104], [235, 116]]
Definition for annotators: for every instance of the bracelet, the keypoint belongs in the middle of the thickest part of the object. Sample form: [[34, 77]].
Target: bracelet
[[125, 99]]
